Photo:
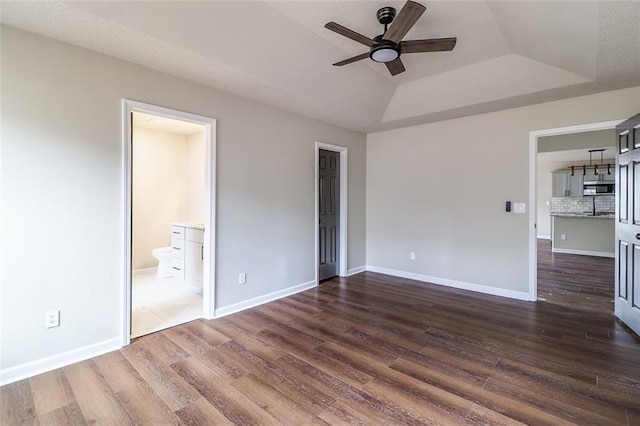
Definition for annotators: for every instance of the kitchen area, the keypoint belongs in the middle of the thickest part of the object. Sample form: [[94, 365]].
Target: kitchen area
[[582, 208]]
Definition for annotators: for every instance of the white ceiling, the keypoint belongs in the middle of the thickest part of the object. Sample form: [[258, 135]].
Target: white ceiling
[[164, 124], [578, 155], [509, 53]]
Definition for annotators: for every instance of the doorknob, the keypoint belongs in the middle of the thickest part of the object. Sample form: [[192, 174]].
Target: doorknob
[[637, 236]]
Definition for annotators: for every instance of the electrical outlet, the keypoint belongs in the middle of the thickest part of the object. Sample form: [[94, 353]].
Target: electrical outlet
[[412, 256], [563, 237], [52, 319], [242, 278]]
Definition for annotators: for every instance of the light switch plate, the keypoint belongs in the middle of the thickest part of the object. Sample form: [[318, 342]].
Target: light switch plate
[[519, 208]]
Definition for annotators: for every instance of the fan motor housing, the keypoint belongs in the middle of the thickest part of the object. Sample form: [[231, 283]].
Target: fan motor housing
[[385, 15]]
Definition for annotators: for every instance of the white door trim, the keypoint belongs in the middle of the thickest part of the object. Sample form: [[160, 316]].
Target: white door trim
[[533, 189], [342, 230], [208, 287]]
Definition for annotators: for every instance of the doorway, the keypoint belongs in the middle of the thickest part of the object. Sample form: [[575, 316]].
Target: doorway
[[331, 246], [580, 277], [169, 218]]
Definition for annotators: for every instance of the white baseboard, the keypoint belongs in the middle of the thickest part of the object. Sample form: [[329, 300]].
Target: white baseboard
[[583, 252], [39, 366], [544, 237], [144, 271], [261, 300], [479, 288], [356, 270]]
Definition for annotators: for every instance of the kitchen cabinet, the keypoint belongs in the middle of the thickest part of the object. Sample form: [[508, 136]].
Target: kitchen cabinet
[[565, 185]]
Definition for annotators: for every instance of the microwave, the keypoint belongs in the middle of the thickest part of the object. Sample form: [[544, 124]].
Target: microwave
[[599, 188]]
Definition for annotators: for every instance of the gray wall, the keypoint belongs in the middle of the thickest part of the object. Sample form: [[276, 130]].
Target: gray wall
[[62, 217], [584, 234], [439, 190]]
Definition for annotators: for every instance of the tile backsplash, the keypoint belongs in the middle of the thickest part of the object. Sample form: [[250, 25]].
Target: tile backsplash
[[604, 203]]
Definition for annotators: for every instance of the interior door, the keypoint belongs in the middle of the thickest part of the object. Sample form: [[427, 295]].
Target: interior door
[[627, 282], [328, 213]]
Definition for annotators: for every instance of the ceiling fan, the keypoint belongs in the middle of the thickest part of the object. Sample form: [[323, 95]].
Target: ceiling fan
[[388, 46]]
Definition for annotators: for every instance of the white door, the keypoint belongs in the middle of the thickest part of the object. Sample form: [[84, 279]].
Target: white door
[[627, 281]]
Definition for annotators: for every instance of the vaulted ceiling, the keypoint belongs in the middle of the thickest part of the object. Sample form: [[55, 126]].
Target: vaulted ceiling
[[508, 54]]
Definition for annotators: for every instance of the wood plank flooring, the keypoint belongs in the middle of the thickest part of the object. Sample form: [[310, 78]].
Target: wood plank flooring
[[369, 349], [575, 281]]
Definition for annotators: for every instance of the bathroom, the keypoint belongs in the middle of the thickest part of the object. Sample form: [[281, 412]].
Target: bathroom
[[168, 195]]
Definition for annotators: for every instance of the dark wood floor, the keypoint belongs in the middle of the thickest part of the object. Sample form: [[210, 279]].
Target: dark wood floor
[[369, 349], [575, 281]]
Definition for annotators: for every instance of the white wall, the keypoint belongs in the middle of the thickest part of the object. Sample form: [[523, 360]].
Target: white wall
[[196, 170], [159, 179], [62, 190], [544, 197], [439, 190]]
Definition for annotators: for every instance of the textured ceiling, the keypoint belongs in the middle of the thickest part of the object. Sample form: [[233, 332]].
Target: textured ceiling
[[508, 53], [164, 124], [608, 156]]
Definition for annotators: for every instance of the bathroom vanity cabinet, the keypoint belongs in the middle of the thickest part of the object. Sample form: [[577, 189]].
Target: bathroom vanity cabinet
[[194, 256], [187, 254], [177, 252]]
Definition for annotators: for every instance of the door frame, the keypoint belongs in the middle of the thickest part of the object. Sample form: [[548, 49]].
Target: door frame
[[208, 285], [342, 226], [533, 189]]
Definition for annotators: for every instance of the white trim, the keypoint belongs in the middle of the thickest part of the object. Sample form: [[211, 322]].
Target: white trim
[[478, 288], [583, 252], [209, 124], [356, 270], [144, 271], [533, 187], [544, 237], [343, 205], [30, 369], [261, 300]]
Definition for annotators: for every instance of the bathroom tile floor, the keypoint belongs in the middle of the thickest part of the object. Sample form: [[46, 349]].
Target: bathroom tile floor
[[159, 303]]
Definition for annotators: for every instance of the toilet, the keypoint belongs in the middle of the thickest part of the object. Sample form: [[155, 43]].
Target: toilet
[[163, 254]]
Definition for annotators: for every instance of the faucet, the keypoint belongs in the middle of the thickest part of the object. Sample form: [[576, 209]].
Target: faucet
[[594, 206]]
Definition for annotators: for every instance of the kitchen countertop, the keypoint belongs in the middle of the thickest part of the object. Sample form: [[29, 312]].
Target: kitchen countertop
[[586, 215]]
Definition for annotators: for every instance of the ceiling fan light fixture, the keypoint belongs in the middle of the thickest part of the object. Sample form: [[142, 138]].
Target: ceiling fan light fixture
[[384, 54], [384, 51]]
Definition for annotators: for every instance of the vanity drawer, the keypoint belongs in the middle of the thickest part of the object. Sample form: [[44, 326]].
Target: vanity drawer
[[177, 231], [177, 248], [177, 268], [196, 235]]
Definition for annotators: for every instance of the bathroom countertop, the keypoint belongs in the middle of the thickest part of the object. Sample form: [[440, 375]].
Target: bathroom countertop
[[189, 225]]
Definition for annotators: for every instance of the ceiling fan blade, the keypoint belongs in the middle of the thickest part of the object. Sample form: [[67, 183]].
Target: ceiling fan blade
[[429, 45], [350, 60], [408, 16], [395, 67], [344, 31]]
